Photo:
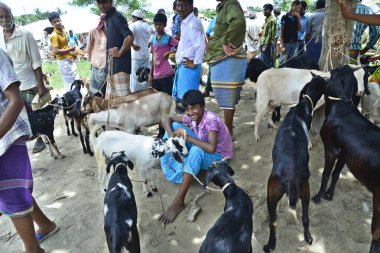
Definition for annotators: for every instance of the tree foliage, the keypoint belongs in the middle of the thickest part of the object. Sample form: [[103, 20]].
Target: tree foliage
[[125, 6], [37, 15], [254, 9], [209, 13]]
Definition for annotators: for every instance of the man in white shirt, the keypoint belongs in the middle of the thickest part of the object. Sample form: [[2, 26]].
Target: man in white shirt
[[22, 48], [190, 52], [252, 37], [140, 48]]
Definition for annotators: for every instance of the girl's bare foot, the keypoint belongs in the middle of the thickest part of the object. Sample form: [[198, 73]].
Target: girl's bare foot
[[171, 213]]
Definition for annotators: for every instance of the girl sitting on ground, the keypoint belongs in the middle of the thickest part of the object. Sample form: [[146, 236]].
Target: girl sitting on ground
[[207, 139]]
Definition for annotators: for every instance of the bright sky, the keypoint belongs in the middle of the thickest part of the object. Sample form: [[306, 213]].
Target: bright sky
[[20, 7]]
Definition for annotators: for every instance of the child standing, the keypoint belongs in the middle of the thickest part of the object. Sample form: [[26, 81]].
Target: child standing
[[161, 72], [207, 139]]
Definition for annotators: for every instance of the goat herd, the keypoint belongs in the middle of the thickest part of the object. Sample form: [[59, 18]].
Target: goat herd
[[349, 138]]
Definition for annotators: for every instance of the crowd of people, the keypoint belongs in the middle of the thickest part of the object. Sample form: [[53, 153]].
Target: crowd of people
[[117, 50]]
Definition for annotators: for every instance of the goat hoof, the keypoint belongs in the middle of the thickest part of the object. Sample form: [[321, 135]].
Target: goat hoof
[[309, 239], [91, 153], [155, 189], [267, 248], [316, 199], [85, 151], [149, 194], [328, 197], [76, 135]]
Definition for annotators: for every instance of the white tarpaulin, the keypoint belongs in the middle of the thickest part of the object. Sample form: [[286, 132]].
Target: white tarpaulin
[[79, 24]]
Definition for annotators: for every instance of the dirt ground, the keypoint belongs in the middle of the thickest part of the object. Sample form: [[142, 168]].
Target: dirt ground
[[68, 191]]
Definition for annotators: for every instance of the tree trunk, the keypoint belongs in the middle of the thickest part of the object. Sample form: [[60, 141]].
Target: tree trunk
[[337, 36]]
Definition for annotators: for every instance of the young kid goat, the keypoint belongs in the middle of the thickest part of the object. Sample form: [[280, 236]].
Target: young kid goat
[[71, 110], [352, 139], [290, 172], [232, 232], [120, 211], [143, 151]]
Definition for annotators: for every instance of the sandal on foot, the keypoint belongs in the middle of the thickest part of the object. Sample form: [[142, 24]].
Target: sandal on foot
[[41, 237]]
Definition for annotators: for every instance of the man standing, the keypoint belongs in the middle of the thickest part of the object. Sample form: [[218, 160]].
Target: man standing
[[359, 28], [276, 42], [96, 51], [22, 48], [290, 26], [302, 33], [45, 44], [72, 39], [177, 19], [227, 57], [119, 42], [267, 36], [65, 59], [140, 47], [314, 31], [190, 52], [252, 37]]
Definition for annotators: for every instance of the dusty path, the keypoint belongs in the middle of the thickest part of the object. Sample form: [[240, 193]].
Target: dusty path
[[68, 191]]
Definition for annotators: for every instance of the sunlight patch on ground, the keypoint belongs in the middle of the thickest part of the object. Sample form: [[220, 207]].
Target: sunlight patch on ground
[[368, 221], [56, 205], [69, 194], [60, 251], [251, 123], [174, 242], [257, 158], [156, 216], [198, 240], [244, 167]]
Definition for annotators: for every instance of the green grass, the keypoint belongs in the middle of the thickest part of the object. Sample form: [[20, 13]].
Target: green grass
[[56, 80]]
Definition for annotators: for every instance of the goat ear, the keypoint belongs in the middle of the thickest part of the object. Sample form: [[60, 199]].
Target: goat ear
[[108, 168], [304, 89], [211, 173]]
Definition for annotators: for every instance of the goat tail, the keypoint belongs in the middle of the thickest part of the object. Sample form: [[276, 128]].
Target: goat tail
[[117, 239], [293, 192]]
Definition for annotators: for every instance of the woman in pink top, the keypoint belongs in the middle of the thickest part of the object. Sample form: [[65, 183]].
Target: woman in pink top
[[161, 72], [207, 139]]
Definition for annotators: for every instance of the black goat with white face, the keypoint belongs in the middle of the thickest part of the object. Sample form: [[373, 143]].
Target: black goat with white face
[[351, 139], [232, 232], [120, 211]]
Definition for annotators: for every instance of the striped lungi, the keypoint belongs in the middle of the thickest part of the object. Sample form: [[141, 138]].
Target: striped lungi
[[16, 182], [117, 85], [68, 72], [227, 79], [186, 79]]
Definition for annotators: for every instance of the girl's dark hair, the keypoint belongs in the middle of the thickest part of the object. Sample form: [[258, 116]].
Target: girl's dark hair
[[193, 97], [53, 15], [160, 18]]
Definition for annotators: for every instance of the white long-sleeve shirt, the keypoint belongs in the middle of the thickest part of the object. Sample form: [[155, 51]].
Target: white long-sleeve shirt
[[192, 44]]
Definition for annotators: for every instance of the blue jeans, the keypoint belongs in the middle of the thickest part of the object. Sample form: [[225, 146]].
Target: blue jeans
[[195, 160], [290, 51], [267, 57]]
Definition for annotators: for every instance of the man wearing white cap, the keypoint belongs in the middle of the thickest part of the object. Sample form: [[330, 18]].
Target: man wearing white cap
[[140, 47]]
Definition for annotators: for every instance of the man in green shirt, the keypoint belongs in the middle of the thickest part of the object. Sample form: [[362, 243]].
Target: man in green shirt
[[227, 57], [267, 36]]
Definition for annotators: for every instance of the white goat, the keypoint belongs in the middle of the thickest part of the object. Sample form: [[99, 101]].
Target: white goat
[[142, 151], [371, 103], [145, 111], [276, 87]]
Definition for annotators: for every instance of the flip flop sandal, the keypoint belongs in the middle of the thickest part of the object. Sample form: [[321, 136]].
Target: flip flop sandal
[[41, 237]]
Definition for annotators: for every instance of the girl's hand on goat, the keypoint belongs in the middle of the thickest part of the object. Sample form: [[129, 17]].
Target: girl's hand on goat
[[180, 132]]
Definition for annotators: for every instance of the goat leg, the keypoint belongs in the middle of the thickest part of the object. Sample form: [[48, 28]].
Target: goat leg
[[329, 164], [153, 180], [87, 139], [375, 226], [334, 178], [274, 194], [72, 128], [67, 124], [134, 244], [305, 199], [79, 127], [145, 187], [49, 144]]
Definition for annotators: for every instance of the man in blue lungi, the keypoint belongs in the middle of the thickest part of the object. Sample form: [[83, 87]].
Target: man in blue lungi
[[190, 52]]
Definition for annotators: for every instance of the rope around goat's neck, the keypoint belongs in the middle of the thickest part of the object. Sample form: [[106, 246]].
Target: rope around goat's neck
[[197, 179], [334, 98], [311, 102]]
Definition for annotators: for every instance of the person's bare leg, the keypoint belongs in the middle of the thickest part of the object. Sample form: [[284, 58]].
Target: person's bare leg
[[25, 228], [178, 203], [45, 225], [229, 119]]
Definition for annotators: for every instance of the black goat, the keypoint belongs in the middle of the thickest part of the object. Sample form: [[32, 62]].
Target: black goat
[[290, 172], [120, 211], [354, 140], [232, 232], [143, 74], [301, 62], [42, 124], [71, 110]]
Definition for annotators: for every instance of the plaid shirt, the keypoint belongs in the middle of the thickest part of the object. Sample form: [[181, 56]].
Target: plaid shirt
[[269, 30], [21, 126], [359, 28]]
